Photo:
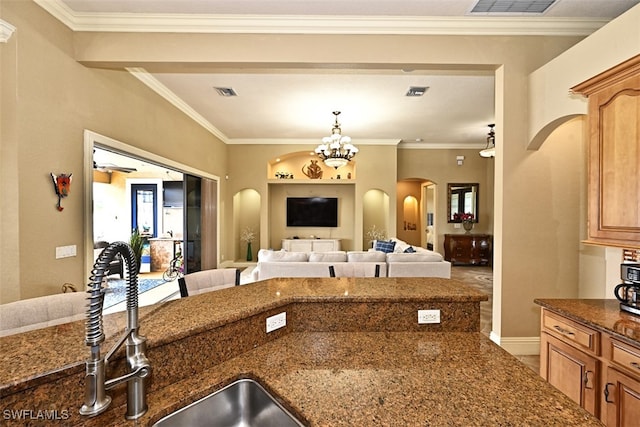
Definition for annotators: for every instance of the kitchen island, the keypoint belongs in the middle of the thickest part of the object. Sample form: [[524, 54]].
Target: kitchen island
[[351, 353]]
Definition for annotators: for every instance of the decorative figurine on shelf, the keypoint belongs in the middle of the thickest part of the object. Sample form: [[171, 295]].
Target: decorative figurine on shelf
[[314, 171], [62, 186]]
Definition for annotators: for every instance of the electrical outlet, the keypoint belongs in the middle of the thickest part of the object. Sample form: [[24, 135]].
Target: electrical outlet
[[276, 322], [428, 316]]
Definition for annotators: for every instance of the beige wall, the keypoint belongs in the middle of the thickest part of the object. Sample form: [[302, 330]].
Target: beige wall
[[48, 99], [54, 98], [550, 102], [375, 168], [440, 167]]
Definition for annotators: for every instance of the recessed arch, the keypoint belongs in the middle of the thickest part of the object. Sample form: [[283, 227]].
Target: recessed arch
[[246, 218], [548, 129]]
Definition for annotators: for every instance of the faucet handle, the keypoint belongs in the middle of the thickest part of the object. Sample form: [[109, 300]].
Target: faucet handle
[[96, 400]]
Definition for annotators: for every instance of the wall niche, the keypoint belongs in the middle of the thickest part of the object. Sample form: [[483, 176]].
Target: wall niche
[[306, 166]]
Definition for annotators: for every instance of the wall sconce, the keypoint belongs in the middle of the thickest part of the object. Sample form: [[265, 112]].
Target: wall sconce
[[460, 160]]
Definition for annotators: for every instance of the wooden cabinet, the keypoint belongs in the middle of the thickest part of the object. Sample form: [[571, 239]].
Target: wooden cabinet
[[622, 397], [468, 248], [568, 359], [593, 368], [621, 403], [571, 371], [311, 245], [614, 155]]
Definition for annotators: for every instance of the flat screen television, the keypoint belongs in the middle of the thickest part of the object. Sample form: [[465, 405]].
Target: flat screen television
[[312, 212]]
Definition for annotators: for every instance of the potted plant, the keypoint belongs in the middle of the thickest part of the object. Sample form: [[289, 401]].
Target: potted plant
[[466, 219], [247, 236], [375, 233], [136, 241]]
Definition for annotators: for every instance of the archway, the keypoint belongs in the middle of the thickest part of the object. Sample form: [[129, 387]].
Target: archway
[[246, 224], [375, 216]]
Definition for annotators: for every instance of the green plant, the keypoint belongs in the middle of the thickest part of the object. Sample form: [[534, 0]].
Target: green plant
[[136, 241]]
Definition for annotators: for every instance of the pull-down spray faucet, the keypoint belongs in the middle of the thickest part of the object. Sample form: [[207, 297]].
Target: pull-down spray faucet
[[96, 399]]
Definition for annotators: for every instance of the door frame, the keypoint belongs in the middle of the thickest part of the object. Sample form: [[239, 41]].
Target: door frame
[[90, 140]]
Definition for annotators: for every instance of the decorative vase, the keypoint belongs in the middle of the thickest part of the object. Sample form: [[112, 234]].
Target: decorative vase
[[468, 226], [249, 253]]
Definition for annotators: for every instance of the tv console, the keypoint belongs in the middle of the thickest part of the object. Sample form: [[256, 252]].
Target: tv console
[[311, 245]]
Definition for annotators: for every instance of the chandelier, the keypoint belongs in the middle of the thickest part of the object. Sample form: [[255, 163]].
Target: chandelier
[[336, 150], [490, 150]]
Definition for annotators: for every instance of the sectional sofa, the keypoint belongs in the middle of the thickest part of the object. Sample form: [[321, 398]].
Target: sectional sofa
[[397, 260]]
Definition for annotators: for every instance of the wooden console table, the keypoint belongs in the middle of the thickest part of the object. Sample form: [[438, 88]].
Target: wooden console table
[[468, 249], [311, 245]]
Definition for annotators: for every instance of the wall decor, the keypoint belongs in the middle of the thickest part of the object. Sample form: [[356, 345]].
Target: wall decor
[[313, 171], [62, 186]]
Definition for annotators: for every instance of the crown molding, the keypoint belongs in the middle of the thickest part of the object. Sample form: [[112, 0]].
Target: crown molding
[[6, 31], [308, 24], [155, 85], [441, 146], [306, 141]]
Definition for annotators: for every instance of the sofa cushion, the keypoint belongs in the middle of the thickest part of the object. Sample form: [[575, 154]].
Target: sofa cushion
[[426, 256], [369, 256], [401, 246], [331, 256], [409, 250], [282, 256], [386, 246]]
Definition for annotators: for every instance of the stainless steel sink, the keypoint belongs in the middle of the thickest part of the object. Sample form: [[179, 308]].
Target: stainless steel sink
[[243, 403]]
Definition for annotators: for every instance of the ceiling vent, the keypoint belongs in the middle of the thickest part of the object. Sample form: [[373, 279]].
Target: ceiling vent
[[512, 6], [225, 91], [416, 90]]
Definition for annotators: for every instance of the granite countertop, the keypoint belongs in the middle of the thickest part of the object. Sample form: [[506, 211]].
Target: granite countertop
[[387, 379], [352, 353], [601, 314], [31, 355]]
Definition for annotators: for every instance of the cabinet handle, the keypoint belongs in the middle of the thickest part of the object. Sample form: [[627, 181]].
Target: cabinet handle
[[563, 331], [587, 380], [635, 365], [606, 393]]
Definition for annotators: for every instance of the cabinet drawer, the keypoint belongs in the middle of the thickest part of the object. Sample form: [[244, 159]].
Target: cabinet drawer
[[626, 357], [582, 336]]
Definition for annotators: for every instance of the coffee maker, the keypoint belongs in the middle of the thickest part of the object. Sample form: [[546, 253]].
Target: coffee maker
[[628, 292]]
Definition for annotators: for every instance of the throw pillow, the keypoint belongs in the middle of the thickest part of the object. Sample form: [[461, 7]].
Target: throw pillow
[[385, 246], [409, 250]]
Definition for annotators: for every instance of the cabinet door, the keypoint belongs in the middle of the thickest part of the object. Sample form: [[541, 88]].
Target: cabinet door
[[571, 371], [299, 245], [622, 397], [324, 245], [614, 155]]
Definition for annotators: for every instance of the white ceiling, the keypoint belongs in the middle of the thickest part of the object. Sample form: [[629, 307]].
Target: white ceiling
[[295, 106]]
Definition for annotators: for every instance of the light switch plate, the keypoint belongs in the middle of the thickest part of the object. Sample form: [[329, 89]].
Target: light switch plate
[[65, 251]]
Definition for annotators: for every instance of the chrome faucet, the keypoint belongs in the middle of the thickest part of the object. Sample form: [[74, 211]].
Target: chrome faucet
[[96, 400]]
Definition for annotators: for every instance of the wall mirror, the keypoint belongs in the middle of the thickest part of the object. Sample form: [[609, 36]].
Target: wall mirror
[[462, 199]]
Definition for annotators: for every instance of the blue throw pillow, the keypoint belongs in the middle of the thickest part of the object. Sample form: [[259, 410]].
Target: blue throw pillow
[[385, 246], [409, 250]]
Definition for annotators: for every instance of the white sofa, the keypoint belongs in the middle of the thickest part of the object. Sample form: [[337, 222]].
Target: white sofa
[[35, 313], [420, 263], [316, 264]]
